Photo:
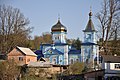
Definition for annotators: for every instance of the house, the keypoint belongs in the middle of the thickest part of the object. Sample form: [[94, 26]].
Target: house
[[111, 65], [22, 55]]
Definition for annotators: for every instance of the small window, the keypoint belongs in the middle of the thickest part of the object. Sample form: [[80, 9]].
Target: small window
[[28, 60], [20, 58]]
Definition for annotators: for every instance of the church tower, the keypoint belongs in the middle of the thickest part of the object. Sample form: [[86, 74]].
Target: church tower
[[90, 32], [59, 32], [89, 47]]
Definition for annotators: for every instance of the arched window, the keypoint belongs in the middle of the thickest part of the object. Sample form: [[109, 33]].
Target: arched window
[[54, 60]]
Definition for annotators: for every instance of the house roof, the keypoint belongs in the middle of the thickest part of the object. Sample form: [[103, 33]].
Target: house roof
[[26, 51], [110, 58]]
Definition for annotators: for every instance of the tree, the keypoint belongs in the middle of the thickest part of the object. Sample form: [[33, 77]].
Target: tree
[[9, 70], [77, 44], [75, 68], [13, 28], [45, 38], [108, 17]]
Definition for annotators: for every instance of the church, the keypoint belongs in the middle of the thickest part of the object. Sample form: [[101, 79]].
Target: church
[[62, 53], [59, 52]]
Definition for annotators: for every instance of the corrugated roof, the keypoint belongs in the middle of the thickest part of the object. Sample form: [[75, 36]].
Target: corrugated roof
[[26, 51]]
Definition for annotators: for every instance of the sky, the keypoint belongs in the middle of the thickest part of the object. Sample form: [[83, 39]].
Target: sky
[[43, 14]]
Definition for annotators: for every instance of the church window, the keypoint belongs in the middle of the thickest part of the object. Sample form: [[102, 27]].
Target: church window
[[77, 60]]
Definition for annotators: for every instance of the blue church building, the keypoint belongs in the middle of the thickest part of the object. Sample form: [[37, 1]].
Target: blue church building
[[59, 52]]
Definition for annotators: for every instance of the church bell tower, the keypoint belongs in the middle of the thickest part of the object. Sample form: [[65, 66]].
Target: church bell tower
[[89, 47]]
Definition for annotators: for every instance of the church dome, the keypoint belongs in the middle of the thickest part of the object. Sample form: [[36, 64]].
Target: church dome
[[58, 27]]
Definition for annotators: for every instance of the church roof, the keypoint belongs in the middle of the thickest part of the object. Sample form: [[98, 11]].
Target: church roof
[[74, 52], [88, 43], [90, 26], [58, 27], [39, 54], [54, 51]]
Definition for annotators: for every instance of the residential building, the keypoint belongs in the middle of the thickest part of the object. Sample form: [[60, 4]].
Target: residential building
[[111, 65], [22, 55]]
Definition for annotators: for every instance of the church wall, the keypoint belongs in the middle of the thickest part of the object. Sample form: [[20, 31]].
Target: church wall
[[66, 55], [73, 58]]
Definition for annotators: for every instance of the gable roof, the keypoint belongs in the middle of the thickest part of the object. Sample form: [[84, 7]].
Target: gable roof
[[110, 58], [26, 51]]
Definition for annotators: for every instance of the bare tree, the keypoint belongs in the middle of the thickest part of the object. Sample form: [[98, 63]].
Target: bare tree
[[13, 28], [109, 17]]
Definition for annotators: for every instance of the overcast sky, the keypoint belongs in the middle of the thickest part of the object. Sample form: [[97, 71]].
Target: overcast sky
[[43, 14]]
